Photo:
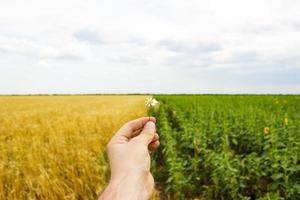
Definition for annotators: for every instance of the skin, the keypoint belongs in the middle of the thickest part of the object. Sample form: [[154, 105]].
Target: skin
[[129, 158]]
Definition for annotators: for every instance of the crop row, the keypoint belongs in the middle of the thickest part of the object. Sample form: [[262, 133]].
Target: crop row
[[228, 147]]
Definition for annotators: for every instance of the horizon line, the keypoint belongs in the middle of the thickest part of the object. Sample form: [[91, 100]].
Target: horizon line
[[106, 94]]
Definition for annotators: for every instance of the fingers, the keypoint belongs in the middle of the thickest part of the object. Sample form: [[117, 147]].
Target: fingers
[[132, 128], [148, 133], [156, 137], [139, 123], [153, 145]]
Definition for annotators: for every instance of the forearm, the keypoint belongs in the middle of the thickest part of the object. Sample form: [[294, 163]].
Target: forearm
[[129, 187]]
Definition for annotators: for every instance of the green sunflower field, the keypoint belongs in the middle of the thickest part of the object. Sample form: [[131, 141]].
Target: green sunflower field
[[228, 147]]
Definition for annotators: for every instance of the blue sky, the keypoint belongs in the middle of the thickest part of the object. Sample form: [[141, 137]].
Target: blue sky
[[141, 46]]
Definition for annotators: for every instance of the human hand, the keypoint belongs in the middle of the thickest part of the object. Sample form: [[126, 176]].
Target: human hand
[[129, 159]]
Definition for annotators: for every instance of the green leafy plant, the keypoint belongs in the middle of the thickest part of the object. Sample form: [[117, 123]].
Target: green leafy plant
[[228, 147]]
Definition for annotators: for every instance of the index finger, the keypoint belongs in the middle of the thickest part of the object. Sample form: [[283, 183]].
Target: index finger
[[130, 127]]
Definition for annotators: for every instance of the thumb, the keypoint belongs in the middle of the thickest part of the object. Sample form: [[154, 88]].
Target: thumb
[[147, 133]]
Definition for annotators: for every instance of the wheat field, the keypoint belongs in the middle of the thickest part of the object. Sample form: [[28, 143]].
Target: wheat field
[[52, 147]]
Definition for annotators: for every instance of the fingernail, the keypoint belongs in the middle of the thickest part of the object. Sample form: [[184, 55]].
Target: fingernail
[[149, 125]]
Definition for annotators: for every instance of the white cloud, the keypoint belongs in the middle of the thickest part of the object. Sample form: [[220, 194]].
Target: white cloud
[[169, 46]]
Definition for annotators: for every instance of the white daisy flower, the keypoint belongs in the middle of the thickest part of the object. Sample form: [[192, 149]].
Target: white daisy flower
[[150, 101]]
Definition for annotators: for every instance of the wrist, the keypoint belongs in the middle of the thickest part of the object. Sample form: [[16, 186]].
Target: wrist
[[130, 186], [129, 175]]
